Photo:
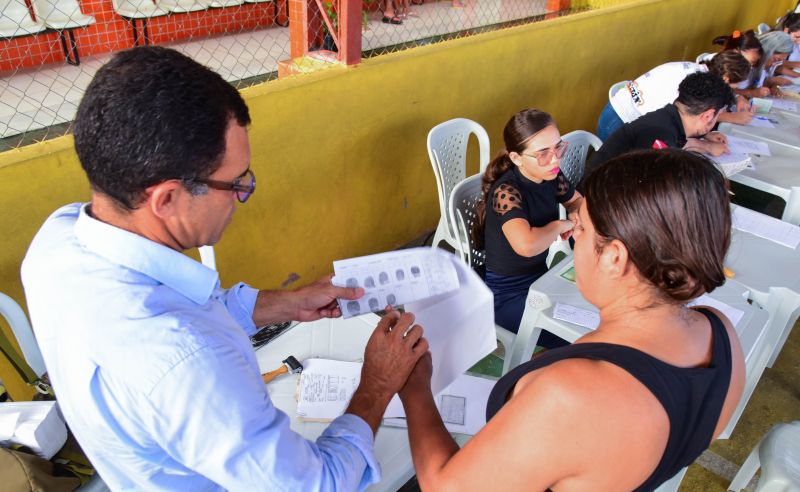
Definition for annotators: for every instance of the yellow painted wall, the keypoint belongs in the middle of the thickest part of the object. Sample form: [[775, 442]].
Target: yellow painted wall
[[340, 155]]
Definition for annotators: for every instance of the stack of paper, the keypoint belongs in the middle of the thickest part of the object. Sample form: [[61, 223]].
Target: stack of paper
[[760, 105], [577, 316], [448, 299], [35, 424], [739, 145], [784, 105], [731, 163], [767, 227], [326, 387]]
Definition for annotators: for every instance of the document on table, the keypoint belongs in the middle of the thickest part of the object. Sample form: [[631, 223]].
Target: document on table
[[326, 387], [577, 316], [784, 105], [738, 145], [448, 299], [733, 314], [767, 227], [732, 163], [394, 278], [462, 405], [762, 121], [760, 105], [794, 89]]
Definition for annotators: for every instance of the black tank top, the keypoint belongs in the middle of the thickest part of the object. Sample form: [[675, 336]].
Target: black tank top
[[692, 397]]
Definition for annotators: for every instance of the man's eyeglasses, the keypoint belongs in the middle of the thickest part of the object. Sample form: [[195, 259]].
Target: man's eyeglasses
[[544, 156], [244, 185]]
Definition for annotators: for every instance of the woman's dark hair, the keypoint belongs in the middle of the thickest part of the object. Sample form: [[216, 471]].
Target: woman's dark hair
[[519, 129], [150, 115], [741, 41], [670, 208], [790, 21], [730, 63]]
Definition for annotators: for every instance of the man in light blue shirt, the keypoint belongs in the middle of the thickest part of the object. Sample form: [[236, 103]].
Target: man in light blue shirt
[[149, 357]]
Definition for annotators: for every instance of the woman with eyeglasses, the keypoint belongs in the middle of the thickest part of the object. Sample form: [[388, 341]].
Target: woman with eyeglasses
[[517, 215]]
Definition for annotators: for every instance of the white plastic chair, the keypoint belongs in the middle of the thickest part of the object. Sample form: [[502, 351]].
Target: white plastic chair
[[778, 455], [141, 10], [208, 257], [16, 20], [63, 15], [21, 328], [181, 6], [614, 88], [574, 160], [704, 57], [447, 149]]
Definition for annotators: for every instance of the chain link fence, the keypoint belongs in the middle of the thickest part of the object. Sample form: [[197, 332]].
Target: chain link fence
[[50, 49]]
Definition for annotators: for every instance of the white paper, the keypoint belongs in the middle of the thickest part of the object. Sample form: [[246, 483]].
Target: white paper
[[791, 88], [576, 315], [767, 227], [462, 405], [784, 105], [394, 278], [731, 163], [761, 121], [326, 387], [459, 325], [35, 424], [738, 145], [733, 314]]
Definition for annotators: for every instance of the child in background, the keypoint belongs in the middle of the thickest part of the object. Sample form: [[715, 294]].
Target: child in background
[[777, 45], [747, 44], [790, 24]]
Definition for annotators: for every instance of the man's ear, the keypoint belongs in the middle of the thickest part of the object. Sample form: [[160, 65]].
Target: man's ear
[[162, 197], [708, 115], [613, 259]]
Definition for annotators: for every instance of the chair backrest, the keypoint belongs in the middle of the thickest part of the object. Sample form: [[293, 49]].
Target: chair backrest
[[614, 88], [447, 149], [461, 210], [208, 257], [704, 57], [21, 328], [59, 11], [16, 20], [574, 160]]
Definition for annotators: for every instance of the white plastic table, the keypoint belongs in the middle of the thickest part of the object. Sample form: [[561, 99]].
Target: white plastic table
[[778, 174], [551, 288], [772, 273], [337, 339], [785, 132]]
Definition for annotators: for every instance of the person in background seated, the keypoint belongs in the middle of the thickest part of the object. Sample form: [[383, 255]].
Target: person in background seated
[[790, 24], [659, 86], [747, 44], [686, 123], [777, 47], [518, 213], [149, 355], [629, 405]]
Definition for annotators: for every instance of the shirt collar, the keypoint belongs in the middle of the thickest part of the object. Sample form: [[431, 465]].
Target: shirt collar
[[172, 268]]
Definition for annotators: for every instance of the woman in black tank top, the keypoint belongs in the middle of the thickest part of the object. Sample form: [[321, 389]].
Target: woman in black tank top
[[629, 405]]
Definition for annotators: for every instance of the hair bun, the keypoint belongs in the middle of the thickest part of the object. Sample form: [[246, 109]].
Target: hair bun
[[675, 281]]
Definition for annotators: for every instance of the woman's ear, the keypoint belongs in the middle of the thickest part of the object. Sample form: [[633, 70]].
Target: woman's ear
[[613, 259], [515, 158]]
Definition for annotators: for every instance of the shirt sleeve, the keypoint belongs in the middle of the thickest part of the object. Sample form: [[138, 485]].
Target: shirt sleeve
[[211, 413], [240, 300], [564, 189], [506, 203]]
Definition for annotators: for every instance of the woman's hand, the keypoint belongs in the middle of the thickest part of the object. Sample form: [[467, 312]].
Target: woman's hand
[[739, 117], [763, 91], [419, 380], [565, 231]]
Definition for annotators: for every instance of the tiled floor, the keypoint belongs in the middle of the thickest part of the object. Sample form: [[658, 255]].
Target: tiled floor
[[49, 95]]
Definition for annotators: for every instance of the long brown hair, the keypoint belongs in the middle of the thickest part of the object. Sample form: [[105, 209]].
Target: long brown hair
[[519, 129], [741, 41], [671, 210], [730, 63]]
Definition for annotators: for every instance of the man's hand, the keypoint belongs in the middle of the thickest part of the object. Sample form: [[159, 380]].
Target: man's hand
[[309, 303], [391, 353], [717, 137]]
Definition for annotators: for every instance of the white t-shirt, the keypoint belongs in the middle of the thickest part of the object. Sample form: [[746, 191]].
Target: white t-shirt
[[653, 90], [795, 54]]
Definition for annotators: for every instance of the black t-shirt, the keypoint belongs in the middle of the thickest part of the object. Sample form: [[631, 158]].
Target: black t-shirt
[[514, 196], [663, 124]]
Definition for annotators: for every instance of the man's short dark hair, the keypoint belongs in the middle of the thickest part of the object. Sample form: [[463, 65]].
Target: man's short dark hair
[[150, 115], [702, 91]]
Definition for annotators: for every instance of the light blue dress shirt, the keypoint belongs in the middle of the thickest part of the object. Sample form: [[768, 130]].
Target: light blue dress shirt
[[155, 374]]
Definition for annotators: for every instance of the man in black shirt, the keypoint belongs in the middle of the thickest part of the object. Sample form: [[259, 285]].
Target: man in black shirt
[[686, 123]]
